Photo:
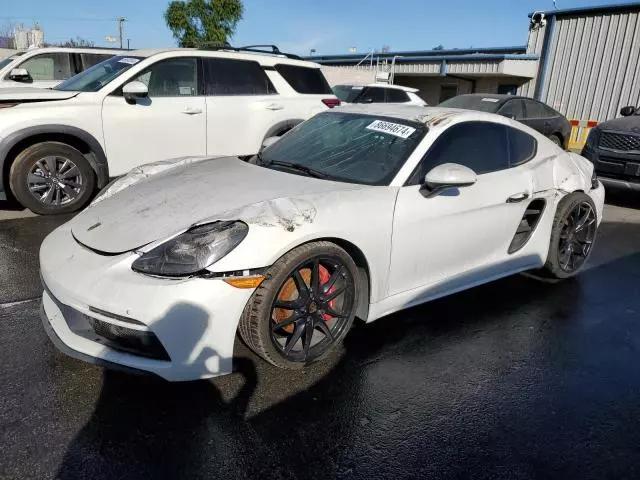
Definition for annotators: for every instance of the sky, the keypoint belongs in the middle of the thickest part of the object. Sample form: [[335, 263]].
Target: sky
[[297, 26]]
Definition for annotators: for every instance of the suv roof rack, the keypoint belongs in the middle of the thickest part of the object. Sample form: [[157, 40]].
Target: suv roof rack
[[273, 49]]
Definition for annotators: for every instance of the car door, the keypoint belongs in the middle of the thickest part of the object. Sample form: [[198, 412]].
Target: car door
[[393, 95], [169, 123], [536, 116], [45, 70], [462, 235], [512, 109], [242, 106], [372, 95]]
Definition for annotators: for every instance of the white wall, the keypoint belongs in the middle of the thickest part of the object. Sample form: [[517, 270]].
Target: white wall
[[339, 75], [6, 52]]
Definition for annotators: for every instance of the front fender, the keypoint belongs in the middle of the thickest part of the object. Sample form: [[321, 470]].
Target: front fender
[[362, 217]]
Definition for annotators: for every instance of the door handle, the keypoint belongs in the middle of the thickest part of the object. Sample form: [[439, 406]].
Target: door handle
[[275, 106], [517, 197], [192, 111]]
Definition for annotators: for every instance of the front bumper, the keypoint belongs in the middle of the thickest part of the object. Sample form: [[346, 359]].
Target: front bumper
[[195, 320], [619, 170]]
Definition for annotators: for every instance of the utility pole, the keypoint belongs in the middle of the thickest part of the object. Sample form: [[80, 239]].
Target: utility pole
[[121, 21]]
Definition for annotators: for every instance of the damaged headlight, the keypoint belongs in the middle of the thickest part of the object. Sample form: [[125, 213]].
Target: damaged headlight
[[193, 250]]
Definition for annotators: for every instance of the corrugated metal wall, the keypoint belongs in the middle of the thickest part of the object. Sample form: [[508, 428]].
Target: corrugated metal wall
[[593, 65], [534, 47]]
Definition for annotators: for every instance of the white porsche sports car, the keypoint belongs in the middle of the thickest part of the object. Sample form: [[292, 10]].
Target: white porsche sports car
[[358, 212]]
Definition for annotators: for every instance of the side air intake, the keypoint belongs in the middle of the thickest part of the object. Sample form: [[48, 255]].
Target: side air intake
[[527, 224]]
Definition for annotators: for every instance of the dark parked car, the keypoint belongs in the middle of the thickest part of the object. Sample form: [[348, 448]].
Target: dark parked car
[[614, 148], [531, 112]]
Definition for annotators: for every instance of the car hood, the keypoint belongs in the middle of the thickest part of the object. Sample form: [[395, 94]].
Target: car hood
[[28, 94], [629, 124], [171, 201]]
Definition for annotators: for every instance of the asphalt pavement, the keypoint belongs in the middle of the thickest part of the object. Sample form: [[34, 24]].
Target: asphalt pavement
[[516, 379]]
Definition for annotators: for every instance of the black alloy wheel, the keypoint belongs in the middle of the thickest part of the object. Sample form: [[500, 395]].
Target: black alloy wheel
[[305, 306], [312, 308], [573, 235], [576, 237]]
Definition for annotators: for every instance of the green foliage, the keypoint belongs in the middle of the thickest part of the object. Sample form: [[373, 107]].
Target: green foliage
[[196, 22]]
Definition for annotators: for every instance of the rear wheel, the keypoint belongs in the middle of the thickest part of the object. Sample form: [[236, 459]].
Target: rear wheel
[[52, 177], [304, 308], [572, 236], [556, 139]]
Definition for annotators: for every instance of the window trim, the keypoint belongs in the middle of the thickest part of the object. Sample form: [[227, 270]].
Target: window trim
[[411, 180], [118, 91], [289, 65], [39, 54], [263, 69]]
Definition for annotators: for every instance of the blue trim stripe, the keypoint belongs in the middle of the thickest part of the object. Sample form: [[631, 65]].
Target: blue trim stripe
[[616, 7]]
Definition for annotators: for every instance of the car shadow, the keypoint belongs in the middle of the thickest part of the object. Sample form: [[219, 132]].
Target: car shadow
[[416, 393]]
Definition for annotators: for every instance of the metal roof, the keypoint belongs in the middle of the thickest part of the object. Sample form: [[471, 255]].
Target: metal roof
[[597, 9], [422, 53], [436, 58]]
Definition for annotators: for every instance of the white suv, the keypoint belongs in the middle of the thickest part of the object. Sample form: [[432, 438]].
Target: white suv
[[58, 146], [47, 67], [378, 93]]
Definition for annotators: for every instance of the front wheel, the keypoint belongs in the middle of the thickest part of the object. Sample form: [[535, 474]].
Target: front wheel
[[304, 308], [52, 177], [573, 235]]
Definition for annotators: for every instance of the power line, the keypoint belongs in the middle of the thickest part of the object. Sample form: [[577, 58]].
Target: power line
[[64, 19]]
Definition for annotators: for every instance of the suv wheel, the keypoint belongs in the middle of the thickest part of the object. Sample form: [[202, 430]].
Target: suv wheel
[[52, 177]]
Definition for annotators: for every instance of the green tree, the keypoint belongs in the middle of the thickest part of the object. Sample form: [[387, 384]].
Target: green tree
[[194, 22]]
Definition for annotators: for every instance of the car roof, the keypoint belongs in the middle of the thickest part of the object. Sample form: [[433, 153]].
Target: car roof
[[416, 113], [262, 57], [380, 85], [31, 51], [502, 97]]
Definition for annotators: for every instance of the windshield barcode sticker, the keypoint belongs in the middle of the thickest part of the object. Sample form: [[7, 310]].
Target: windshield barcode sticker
[[129, 61], [396, 129]]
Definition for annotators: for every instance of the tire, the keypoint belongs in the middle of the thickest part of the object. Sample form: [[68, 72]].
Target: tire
[[257, 325], [556, 139], [69, 187], [562, 235]]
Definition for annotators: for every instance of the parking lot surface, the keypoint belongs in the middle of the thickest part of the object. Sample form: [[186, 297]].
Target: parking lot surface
[[519, 378]]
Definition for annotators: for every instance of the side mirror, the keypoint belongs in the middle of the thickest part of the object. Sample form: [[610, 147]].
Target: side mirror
[[269, 141], [509, 115], [133, 91], [20, 75], [365, 100], [445, 176], [627, 111]]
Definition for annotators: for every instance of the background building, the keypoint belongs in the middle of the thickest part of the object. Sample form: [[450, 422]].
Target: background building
[[584, 62]]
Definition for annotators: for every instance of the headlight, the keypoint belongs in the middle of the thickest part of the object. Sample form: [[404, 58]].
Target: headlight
[[193, 250]]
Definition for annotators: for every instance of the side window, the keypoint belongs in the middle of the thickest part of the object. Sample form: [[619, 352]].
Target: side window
[[177, 77], [235, 77], [91, 59], [48, 66], [372, 95], [512, 109], [481, 146], [396, 96], [535, 110], [522, 147], [304, 79]]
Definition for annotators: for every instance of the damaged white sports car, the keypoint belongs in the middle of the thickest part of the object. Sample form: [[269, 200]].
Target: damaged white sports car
[[358, 212]]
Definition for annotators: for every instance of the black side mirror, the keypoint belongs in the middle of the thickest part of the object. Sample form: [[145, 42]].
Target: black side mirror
[[365, 100], [20, 75], [509, 115], [627, 111]]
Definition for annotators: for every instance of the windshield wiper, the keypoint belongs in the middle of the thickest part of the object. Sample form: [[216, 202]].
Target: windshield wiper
[[296, 166]]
